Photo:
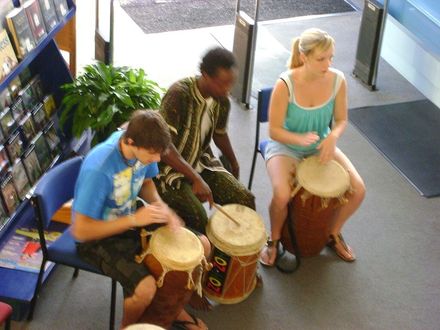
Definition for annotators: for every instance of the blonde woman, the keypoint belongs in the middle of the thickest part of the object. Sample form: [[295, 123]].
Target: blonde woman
[[304, 100]]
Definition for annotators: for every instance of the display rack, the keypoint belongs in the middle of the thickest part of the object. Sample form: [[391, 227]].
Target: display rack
[[17, 287]]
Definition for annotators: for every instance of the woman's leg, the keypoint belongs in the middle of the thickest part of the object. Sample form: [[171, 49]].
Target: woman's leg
[[281, 170], [344, 212]]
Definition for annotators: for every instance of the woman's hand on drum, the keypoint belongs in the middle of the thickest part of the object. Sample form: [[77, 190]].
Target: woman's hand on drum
[[308, 138], [327, 149]]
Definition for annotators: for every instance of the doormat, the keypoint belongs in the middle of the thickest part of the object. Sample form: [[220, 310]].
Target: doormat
[[408, 135]]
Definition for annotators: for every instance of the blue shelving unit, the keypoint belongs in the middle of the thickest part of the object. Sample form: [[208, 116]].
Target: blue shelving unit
[[17, 287]]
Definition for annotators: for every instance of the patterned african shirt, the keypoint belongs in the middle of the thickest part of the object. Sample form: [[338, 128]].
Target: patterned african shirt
[[183, 108]]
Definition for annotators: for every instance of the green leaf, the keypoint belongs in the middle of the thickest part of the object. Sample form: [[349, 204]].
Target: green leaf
[[104, 96]]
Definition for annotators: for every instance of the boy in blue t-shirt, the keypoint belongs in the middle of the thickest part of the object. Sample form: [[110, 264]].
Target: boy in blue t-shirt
[[112, 175]]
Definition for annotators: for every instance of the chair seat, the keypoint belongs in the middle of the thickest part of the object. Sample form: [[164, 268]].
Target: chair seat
[[63, 251], [262, 147], [5, 312]]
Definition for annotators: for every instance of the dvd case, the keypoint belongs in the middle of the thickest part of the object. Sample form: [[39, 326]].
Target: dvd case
[[31, 164], [42, 150], [9, 194], [20, 178]]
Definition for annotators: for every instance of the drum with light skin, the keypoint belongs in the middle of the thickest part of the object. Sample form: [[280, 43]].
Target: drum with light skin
[[319, 190], [233, 276], [176, 260]]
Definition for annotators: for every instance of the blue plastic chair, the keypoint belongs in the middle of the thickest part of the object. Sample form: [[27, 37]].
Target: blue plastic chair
[[54, 189], [262, 117]]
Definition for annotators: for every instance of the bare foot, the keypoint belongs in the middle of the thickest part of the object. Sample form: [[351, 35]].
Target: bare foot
[[200, 303]]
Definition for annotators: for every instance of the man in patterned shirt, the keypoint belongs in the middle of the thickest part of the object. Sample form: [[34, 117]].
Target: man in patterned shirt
[[196, 110]]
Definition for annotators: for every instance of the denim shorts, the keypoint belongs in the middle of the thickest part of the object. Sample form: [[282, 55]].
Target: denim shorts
[[274, 148]]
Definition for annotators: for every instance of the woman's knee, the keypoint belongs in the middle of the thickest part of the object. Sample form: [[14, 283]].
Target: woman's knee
[[206, 245], [281, 197], [358, 191]]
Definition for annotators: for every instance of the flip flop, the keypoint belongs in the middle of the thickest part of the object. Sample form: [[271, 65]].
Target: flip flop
[[269, 245], [333, 243]]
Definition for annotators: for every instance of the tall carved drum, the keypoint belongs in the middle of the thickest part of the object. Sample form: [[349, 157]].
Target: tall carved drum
[[318, 191], [176, 260], [236, 249]]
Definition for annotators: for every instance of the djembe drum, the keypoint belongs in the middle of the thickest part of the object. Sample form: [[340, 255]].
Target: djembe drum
[[236, 250], [318, 191], [176, 260]]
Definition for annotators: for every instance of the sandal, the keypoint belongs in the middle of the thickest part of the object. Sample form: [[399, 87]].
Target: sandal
[[337, 244], [267, 252], [187, 325]]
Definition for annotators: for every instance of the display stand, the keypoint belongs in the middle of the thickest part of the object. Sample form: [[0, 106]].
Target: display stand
[[245, 37], [17, 287]]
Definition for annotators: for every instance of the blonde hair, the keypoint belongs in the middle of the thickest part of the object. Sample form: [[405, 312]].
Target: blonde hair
[[306, 43]]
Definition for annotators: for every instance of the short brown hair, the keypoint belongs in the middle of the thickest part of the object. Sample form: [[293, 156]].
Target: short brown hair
[[148, 130]]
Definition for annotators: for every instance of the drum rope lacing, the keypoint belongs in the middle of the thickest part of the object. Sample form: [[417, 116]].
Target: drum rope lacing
[[244, 265], [190, 284]]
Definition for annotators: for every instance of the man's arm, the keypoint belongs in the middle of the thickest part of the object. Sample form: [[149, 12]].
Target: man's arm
[[85, 228], [199, 186], [224, 144]]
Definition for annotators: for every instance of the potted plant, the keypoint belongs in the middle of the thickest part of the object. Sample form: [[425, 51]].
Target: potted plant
[[104, 96]]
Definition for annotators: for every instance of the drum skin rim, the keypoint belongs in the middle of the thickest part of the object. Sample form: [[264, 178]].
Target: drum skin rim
[[343, 177], [158, 252], [233, 250]]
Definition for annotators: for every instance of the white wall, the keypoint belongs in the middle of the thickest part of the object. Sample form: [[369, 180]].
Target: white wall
[[420, 67]]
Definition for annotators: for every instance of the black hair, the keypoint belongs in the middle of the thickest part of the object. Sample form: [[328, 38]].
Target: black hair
[[215, 58]]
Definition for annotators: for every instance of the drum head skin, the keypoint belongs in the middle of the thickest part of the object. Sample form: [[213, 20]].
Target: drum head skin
[[323, 180], [178, 250], [238, 240]]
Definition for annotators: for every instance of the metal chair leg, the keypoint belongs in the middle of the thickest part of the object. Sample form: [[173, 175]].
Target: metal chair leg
[[112, 306], [37, 291], [251, 176]]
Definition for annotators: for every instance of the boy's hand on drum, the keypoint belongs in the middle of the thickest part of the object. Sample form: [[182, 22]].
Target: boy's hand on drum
[[153, 213], [308, 138], [327, 149]]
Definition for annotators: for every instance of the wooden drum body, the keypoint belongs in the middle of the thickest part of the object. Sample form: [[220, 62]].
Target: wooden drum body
[[236, 250], [176, 260], [320, 190]]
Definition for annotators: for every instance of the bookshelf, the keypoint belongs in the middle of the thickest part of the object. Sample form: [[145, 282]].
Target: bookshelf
[[17, 287]]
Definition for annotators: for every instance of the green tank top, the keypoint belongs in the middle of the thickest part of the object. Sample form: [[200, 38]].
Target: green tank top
[[310, 119]]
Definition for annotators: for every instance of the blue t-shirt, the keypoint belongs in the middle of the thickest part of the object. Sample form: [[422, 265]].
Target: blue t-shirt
[[107, 185]]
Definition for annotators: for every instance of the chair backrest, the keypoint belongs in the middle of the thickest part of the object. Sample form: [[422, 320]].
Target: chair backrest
[[55, 188], [263, 104]]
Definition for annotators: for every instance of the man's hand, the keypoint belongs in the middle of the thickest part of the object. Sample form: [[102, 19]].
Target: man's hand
[[201, 189], [235, 169]]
